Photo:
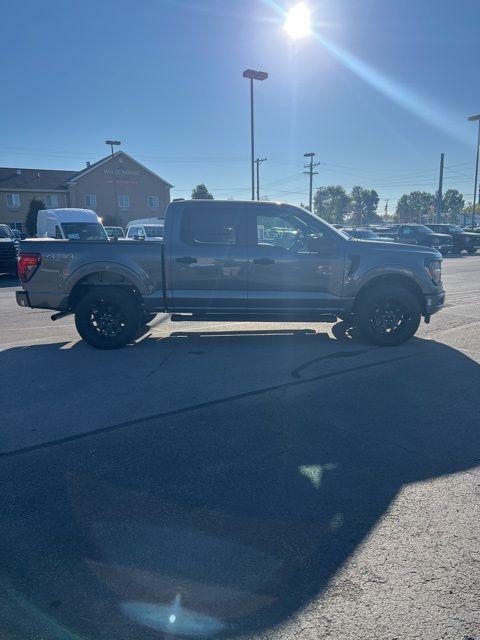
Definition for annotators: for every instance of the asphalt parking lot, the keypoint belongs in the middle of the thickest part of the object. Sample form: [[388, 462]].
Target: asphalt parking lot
[[258, 480]]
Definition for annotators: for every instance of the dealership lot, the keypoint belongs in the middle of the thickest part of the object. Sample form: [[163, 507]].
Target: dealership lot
[[347, 475]]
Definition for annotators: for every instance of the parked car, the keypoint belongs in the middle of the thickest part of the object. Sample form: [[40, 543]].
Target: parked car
[[215, 265], [70, 224], [115, 233], [152, 231], [462, 240], [421, 235], [361, 233], [8, 251]]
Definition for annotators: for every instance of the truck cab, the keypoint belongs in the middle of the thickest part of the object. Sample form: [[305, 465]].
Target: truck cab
[[70, 224]]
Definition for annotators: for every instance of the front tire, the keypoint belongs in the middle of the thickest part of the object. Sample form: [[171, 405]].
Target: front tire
[[108, 317], [388, 315]]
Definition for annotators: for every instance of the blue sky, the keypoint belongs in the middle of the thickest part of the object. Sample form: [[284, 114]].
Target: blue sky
[[378, 93]]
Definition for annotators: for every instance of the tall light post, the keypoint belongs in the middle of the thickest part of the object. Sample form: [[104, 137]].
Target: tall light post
[[475, 119], [114, 143], [253, 75]]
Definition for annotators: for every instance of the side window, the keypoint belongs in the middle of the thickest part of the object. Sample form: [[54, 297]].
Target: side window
[[58, 233], [141, 232], [131, 232], [287, 232], [210, 226], [406, 231]]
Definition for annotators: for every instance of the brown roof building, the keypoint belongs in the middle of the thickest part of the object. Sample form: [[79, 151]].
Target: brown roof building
[[140, 193]]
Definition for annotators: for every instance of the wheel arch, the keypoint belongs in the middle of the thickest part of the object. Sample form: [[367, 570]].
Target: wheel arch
[[392, 279], [103, 277]]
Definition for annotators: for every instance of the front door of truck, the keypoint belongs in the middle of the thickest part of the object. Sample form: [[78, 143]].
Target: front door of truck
[[208, 259], [297, 262]]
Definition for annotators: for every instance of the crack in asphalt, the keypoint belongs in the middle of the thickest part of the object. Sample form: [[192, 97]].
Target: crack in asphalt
[[202, 405]]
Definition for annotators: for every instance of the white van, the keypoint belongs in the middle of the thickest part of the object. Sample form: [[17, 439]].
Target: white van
[[70, 224], [138, 230]]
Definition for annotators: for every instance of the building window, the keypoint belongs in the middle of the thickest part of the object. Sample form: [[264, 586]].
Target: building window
[[153, 202], [13, 200], [123, 202], [51, 201], [90, 200]]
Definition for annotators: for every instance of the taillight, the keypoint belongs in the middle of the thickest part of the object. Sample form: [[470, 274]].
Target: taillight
[[28, 263]]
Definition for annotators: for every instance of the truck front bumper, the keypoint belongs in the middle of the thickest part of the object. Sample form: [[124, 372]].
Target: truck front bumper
[[434, 303], [22, 298]]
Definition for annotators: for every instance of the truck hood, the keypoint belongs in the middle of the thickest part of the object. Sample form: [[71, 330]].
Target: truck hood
[[441, 236], [470, 234], [374, 245]]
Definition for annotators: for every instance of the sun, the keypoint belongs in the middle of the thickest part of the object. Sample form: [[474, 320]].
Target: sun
[[297, 23]]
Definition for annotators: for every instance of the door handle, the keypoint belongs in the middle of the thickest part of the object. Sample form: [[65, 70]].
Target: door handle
[[186, 260], [263, 261]]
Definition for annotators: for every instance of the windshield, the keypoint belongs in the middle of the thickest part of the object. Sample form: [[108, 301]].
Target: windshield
[[154, 232], [6, 232], [83, 231], [115, 232], [425, 230]]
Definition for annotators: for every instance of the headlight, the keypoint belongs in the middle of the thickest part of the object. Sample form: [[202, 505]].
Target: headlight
[[434, 270]]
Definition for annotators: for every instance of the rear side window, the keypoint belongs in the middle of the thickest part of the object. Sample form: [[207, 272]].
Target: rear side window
[[210, 226]]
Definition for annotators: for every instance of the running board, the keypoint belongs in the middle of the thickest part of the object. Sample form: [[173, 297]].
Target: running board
[[183, 317]]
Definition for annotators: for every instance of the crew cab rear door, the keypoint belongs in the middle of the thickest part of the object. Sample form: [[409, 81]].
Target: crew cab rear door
[[207, 257]]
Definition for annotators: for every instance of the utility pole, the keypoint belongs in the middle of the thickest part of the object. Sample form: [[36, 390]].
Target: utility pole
[[258, 162], [311, 173], [475, 119], [438, 212]]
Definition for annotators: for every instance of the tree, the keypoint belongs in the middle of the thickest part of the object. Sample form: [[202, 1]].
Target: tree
[[201, 193], [364, 205], [31, 222], [452, 205], [331, 203], [416, 206], [357, 204]]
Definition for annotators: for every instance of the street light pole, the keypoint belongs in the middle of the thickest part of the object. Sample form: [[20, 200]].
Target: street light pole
[[253, 75], [114, 143], [475, 119]]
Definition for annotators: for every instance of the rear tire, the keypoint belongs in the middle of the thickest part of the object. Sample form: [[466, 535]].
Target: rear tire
[[388, 315], [108, 317]]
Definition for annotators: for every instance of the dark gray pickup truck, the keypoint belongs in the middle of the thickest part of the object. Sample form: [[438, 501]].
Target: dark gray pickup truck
[[232, 261]]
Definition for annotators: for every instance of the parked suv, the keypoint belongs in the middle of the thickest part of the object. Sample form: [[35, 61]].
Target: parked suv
[[462, 240]]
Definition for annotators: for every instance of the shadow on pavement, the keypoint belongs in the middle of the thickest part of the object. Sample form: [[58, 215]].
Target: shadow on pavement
[[227, 518]]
